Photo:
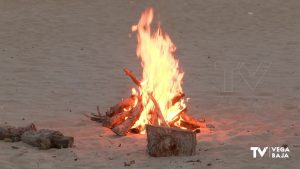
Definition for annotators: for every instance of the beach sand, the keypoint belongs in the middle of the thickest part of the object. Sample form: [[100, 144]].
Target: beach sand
[[59, 59]]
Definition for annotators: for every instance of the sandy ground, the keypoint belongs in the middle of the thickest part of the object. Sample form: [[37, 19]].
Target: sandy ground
[[241, 60]]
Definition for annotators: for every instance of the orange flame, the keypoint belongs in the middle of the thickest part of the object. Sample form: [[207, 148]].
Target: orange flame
[[161, 75]]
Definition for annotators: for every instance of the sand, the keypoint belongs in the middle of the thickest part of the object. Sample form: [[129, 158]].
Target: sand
[[59, 59]]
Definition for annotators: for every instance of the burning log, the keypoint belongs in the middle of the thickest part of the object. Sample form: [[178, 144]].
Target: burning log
[[124, 127], [46, 139], [115, 120], [176, 99], [154, 118], [13, 134], [132, 76], [193, 121], [157, 110], [118, 108], [168, 141]]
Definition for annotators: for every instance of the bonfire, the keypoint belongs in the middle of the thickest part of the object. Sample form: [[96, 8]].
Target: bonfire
[[157, 102]]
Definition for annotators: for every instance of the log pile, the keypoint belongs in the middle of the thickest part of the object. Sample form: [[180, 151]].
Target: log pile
[[121, 117], [43, 138]]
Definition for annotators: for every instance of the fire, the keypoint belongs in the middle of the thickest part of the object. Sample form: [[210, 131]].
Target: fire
[[161, 73]]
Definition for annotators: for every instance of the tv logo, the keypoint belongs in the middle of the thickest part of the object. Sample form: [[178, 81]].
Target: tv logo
[[273, 152], [261, 152]]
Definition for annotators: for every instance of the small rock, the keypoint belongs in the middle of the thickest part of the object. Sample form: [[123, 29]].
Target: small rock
[[14, 147], [127, 164], [119, 145], [284, 146], [209, 164]]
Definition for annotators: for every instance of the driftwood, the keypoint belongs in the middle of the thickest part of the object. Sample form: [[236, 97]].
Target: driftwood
[[132, 76], [169, 141], [13, 134], [46, 139], [124, 127]]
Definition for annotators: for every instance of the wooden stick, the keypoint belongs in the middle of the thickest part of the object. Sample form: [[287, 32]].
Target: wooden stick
[[13, 134], [158, 110], [193, 121], [99, 118], [124, 127], [169, 141], [132, 76]]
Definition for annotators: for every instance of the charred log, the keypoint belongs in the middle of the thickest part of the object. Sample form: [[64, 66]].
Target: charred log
[[115, 120], [124, 127], [118, 108]]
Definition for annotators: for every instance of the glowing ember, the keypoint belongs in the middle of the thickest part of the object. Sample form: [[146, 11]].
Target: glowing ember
[[161, 74]]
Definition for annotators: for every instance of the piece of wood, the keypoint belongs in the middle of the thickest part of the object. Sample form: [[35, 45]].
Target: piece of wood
[[193, 121], [132, 76], [118, 108], [169, 141], [176, 99], [154, 118], [13, 134], [124, 127], [46, 139], [158, 110], [115, 120], [97, 118], [187, 125]]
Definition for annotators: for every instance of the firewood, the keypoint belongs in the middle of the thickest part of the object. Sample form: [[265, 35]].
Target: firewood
[[124, 127], [158, 110], [132, 76], [118, 108], [176, 99], [187, 125], [115, 120], [46, 139], [98, 118], [13, 134], [154, 118], [169, 141], [193, 121]]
